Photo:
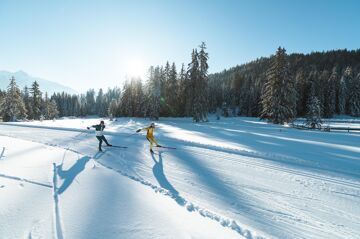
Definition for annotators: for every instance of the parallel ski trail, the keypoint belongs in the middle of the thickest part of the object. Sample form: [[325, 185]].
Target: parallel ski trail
[[248, 160], [57, 218], [225, 222], [25, 180]]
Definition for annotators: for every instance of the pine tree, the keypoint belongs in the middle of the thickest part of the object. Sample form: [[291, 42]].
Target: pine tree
[[101, 108], [348, 79], [354, 96], [300, 82], [279, 96], [181, 91], [126, 106], [313, 117], [139, 98], [12, 105], [193, 86], [113, 108], [201, 105], [154, 93], [36, 101], [342, 96], [50, 110], [197, 85], [171, 91], [330, 94], [27, 101], [90, 102]]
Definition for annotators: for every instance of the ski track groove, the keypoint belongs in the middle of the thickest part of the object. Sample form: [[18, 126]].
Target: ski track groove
[[25, 180], [57, 219], [249, 162], [225, 222], [231, 155]]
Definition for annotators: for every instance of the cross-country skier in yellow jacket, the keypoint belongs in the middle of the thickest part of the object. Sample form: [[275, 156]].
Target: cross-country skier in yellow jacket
[[150, 136]]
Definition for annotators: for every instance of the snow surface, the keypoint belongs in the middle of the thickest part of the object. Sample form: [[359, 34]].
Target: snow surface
[[233, 178]]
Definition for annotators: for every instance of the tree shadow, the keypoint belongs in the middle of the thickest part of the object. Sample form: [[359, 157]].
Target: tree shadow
[[69, 175], [330, 153], [158, 171]]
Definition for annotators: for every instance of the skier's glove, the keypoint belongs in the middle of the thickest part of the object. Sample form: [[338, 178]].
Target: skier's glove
[[137, 131], [88, 127]]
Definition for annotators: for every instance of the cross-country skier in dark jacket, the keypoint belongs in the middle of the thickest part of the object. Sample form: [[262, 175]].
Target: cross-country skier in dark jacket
[[99, 128]]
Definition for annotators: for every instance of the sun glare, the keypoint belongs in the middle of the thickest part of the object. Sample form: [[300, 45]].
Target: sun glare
[[135, 68]]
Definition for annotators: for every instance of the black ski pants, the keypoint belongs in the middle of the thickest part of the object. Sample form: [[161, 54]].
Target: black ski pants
[[101, 139]]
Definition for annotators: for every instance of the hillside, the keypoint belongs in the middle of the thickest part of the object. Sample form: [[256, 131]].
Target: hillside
[[23, 79]]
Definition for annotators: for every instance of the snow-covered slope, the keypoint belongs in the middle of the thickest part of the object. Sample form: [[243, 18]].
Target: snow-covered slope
[[23, 79], [231, 178]]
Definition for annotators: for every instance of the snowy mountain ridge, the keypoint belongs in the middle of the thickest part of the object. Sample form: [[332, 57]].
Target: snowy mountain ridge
[[24, 79]]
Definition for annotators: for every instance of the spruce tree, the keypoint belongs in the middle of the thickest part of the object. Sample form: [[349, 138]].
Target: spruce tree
[[197, 89], [279, 96], [12, 106], [27, 101], [113, 107], [313, 118], [348, 79], [90, 102], [154, 93], [36, 101], [181, 91], [201, 104], [171, 91], [193, 87], [330, 94], [342, 96], [50, 110], [101, 108], [354, 96]]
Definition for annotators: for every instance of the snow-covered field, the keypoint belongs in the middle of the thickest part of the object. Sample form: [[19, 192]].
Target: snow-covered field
[[233, 178]]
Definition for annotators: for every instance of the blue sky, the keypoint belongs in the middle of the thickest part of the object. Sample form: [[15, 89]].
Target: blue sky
[[93, 44]]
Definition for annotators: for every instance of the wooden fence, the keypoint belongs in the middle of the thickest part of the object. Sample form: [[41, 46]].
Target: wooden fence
[[325, 128]]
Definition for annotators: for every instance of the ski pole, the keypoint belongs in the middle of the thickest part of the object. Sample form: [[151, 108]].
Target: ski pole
[[131, 135]]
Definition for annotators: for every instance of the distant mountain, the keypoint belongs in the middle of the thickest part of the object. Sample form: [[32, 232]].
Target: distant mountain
[[23, 79]]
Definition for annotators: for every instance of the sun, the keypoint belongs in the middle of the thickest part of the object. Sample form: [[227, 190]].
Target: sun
[[135, 68]]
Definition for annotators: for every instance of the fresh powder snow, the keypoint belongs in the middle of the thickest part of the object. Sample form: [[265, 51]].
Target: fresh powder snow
[[232, 178]]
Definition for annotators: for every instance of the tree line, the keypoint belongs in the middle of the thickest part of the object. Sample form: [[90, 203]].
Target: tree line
[[278, 88], [282, 87], [166, 92]]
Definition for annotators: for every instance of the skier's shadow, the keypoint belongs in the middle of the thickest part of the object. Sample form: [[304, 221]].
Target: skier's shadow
[[2, 152], [158, 171], [70, 174]]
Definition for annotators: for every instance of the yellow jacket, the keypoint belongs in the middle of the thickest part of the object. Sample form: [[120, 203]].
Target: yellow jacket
[[149, 132]]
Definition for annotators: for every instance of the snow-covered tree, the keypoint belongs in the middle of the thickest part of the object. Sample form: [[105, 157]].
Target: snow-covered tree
[[313, 117], [154, 93], [90, 102], [279, 96], [354, 96], [27, 101], [113, 108], [36, 101], [181, 91], [330, 94], [50, 110], [198, 76], [171, 91], [342, 95], [101, 104], [12, 106]]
